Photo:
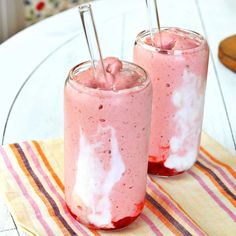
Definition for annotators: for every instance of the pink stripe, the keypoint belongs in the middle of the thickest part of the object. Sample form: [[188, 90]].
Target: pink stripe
[[151, 225], [212, 194], [175, 209], [221, 171], [37, 211], [52, 188]]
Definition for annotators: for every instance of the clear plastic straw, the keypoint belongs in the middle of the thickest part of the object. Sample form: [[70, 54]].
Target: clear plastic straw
[[152, 12], [91, 36]]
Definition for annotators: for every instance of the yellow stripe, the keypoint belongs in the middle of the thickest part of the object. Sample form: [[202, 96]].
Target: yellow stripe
[[36, 189], [217, 185], [177, 204], [231, 171], [48, 166]]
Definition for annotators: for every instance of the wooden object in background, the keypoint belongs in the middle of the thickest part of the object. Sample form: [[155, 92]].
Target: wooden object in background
[[227, 52]]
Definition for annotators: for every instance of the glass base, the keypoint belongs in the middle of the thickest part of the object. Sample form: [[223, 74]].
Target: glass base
[[158, 168], [122, 223]]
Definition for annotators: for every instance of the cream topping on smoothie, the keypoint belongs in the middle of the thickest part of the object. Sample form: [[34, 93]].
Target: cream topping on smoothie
[[174, 39], [93, 183], [117, 78]]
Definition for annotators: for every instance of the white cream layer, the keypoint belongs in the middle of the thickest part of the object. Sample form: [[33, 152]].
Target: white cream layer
[[93, 184], [188, 99]]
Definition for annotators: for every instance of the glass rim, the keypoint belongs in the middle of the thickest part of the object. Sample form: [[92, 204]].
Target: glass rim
[[145, 33], [87, 64]]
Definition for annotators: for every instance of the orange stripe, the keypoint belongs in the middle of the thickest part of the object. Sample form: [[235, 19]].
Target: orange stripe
[[48, 166], [35, 187], [53, 174], [231, 171], [94, 232], [164, 204], [176, 203], [161, 217], [217, 185]]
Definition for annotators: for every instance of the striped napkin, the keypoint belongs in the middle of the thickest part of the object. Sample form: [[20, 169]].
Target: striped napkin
[[200, 202]]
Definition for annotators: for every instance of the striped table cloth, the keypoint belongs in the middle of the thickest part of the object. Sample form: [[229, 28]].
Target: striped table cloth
[[199, 202]]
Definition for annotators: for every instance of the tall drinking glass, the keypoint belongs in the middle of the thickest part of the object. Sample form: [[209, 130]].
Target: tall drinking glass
[[177, 63], [106, 145]]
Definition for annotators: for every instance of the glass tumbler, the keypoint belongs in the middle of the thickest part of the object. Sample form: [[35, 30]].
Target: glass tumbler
[[106, 149], [177, 65]]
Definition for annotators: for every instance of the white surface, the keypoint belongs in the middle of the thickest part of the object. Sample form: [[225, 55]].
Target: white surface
[[11, 232], [38, 110]]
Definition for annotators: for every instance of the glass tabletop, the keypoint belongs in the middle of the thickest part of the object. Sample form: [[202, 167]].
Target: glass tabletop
[[37, 112]]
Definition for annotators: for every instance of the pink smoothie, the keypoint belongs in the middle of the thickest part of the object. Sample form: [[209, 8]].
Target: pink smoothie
[[177, 63], [107, 126]]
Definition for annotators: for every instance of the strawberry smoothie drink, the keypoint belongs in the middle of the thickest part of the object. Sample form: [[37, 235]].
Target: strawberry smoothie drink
[[107, 126], [177, 62]]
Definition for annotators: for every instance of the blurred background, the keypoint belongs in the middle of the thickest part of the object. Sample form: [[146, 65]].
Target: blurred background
[[15, 15]]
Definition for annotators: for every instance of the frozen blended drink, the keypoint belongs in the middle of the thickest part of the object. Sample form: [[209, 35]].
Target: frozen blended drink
[[177, 62], [107, 126]]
